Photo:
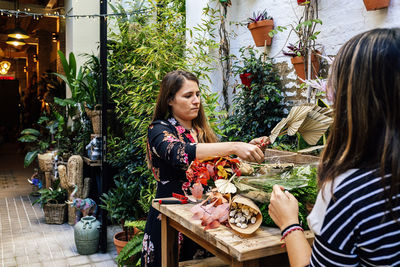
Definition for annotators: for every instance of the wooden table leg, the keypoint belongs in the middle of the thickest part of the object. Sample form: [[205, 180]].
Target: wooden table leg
[[169, 244]]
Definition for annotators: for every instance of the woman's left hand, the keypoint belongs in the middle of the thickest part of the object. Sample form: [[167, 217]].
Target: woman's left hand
[[283, 207]]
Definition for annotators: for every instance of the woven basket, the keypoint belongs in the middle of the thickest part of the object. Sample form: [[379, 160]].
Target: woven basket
[[55, 213], [95, 117], [46, 161]]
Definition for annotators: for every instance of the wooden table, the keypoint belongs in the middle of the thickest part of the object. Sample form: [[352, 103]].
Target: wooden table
[[261, 248]]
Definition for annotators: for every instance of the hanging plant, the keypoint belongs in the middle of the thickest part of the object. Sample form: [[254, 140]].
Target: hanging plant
[[260, 25]]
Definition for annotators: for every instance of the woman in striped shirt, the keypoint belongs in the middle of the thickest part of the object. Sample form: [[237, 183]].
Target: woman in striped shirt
[[356, 216]]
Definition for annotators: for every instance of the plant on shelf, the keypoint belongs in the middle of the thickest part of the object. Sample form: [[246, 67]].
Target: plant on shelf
[[257, 106], [130, 254], [260, 24], [50, 135]]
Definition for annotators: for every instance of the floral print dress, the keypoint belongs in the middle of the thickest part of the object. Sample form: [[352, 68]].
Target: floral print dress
[[171, 150]]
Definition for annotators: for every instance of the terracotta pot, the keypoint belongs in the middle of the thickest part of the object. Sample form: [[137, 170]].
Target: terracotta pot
[[120, 240], [301, 2], [259, 30], [298, 64], [376, 4]]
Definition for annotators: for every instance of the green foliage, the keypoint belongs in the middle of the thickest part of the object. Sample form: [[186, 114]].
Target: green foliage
[[118, 201], [141, 52], [147, 194], [52, 196], [258, 108], [306, 195]]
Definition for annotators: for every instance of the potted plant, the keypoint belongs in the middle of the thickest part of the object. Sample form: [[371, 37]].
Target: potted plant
[[84, 84], [376, 4], [129, 254], [246, 79], [53, 203], [40, 141], [306, 33], [297, 58], [260, 25], [118, 203]]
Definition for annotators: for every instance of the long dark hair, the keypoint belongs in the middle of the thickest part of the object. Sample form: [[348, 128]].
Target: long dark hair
[[365, 79], [170, 85]]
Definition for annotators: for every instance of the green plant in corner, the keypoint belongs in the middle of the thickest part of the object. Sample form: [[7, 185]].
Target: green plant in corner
[[130, 254]]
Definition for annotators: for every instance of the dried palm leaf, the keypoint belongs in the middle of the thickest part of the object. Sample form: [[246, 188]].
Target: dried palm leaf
[[296, 118], [310, 149], [314, 127], [277, 130]]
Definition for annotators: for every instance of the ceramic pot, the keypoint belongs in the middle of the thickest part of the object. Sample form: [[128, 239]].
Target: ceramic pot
[[86, 234], [259, 30], [120, 239], [371, 5]]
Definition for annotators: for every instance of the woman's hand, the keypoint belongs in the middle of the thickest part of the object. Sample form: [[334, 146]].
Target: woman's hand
[[283, 207], [248, 152], [261, 142]]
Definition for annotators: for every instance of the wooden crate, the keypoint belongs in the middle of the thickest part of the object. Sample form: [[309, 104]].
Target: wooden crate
[[279, 156]]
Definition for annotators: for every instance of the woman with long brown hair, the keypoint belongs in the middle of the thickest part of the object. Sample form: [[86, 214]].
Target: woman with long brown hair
[[178, 134], [356, 216]]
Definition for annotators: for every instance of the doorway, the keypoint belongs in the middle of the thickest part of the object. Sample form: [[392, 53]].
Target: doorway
[[9, 110]]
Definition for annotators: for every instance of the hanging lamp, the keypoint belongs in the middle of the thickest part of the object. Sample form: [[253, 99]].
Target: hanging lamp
[[17, 32], [15, 42]]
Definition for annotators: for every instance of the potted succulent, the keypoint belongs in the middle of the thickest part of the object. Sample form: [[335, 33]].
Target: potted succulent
[[376, 4], [260, 24], [297, 58], [53, 203]]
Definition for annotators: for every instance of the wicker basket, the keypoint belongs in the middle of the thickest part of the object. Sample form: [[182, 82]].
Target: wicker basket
[[55, 213], [95, 117]]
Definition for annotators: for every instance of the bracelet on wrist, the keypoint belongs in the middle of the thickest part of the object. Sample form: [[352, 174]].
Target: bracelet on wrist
[[284, 230], [291, 229]]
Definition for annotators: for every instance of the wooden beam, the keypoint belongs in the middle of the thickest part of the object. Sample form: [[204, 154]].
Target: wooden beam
[[51, 4]]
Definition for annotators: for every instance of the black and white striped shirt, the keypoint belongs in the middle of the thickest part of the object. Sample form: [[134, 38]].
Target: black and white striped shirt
[[353, 230]]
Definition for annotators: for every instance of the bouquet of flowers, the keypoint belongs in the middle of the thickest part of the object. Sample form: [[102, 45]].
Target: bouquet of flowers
[[216, 171]]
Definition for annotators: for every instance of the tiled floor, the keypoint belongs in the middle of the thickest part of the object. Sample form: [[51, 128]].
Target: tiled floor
[[25, 238]]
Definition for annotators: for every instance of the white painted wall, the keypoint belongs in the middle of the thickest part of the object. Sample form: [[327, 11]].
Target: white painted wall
[[341, 19], [82, 35]]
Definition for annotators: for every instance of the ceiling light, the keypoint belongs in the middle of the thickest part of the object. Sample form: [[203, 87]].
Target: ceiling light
[[15, 42], [4, 67], [18, 33]]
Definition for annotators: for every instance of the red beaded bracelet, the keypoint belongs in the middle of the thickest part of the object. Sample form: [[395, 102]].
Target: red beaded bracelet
[[292, 229]]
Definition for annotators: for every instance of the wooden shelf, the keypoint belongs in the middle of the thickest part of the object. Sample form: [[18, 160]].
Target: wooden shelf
[[93, 163]]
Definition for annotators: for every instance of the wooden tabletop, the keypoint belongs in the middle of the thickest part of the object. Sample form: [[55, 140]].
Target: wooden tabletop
[[264, 242]]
